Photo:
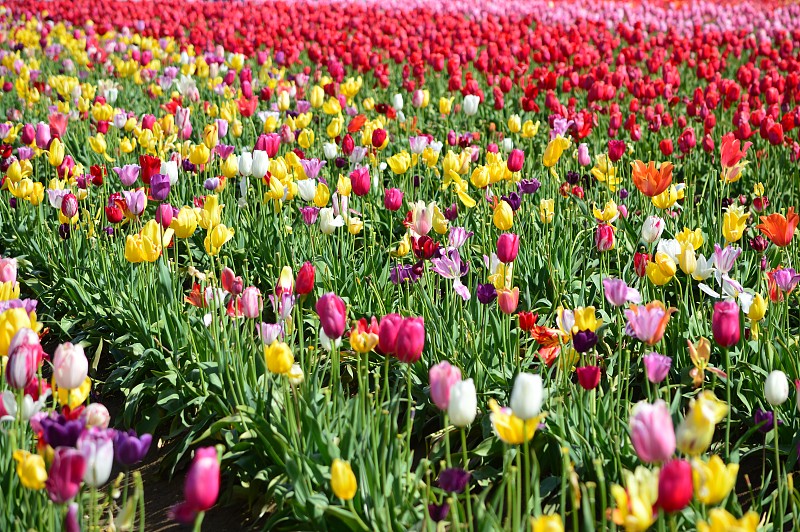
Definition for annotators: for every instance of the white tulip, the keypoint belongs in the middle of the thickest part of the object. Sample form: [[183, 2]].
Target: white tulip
[[260, 164], [652, 229], [330, 150], [307, 189], [463, 404], [170, 169], [776, 388], [246, 164], [526, 397], [328, 222], [471, 104]]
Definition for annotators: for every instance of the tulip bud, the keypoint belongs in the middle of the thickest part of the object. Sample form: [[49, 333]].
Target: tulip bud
[[675, 486], [332, 315], [463, 404], [96, 415], [251, 302], [305, 279], [70, 366], [393, 199], [725, 323], [410, 340], [379, 137], [657, 367], [343, 481], [776, 388], [507, 247], [516, 159], [442, 377], [527, 396], [69, 205], [201, 487], [652, 229]]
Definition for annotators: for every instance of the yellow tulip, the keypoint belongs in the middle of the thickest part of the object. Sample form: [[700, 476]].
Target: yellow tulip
[[687, 236], [530, 129], [430, 157], [547, 523], [440, 223], [211, 135], [511, 429], [713, 480], [667, 199], [546, 210], [211, 213], [503, 216], [11, 321], [279, 357], [354, 225], [55, 154], [399, 162], [216, 238], [480, 177], [403, 247], [343, 481], [733, 223], [75, 398], [720, 520], [634, 502], [198, 154], [322, 196], [350, 87], [306, 138], [585, 319], [514, 124], [332, 107], [609, 213], [694, 434], [335, 126], [605, 172], [363, 342], [445, 105], [185, 223], [19, 170], [30, 469], [127, 145], [316, 97], [758, 308], [662, 269], [230, 166], [553, 151], [687, 259]]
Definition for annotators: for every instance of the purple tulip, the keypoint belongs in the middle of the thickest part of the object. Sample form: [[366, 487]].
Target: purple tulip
[[454, 480], [657, 367], [59, 431], [130, 449], [159, 187], [128, 174], [486, 293], [618, 293]]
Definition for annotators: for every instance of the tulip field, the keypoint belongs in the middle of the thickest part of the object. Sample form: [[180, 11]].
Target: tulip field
[[393, 266]]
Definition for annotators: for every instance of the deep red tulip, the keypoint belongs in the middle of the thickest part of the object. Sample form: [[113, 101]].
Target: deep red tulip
[[305, 279], [675, 488], [588, 377]]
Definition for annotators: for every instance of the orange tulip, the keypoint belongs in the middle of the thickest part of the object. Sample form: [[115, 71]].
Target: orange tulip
[[649, 180], [779, 228]]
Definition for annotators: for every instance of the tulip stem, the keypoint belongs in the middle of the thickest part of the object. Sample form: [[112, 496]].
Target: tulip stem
[[466, 467], [355, 514], [778, 522], [728, 399]]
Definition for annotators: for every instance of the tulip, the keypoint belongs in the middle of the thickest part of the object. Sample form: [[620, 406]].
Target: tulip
[[360, 181], [387, 335], [305, 279], [713, 480], [463, 406], [8, 270], [675, 486], [128, 174], [588, 377], [734, 222], [279, 357], [695, 433], [652, 229], [779, 228], [70, 365], [96, 415], [246, 164], [216, 238], [69, 206], [393, 199], [507, 247], [170, 169], [24, 356], [150, 166], [604, 237], [527, 396], [618, 293], [652, 432], [510, 428], [328, 222], [332, 315], [97, 446], [410, 340], [343, 481], [516, 159], [30, 469], [260, 165], [651, 181], [648, 322], [776, 388], [65, 475], [442, 377], [725, 323], [503, 217], [508, 300], [656, 367], [470, 106], [159, 187], [616, 149], [201, 487]]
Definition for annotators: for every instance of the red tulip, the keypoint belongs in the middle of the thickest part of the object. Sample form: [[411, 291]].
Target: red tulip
[[65, 475], [360, 181], [527, 320], [305, 279], [150, 166], [640, 261], [616, 149], [675, 488], [588, 377], [410, 340]]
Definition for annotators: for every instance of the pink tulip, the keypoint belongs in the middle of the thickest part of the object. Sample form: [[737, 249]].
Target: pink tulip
[[410, 340], [516, 159], [393, 199], [332, 315], [65, 475], [201, 488], [652, 432], [508, 300], [387, 337], [507, 247], [725, 323], [8, 270], [70, 366], [24, 356], [442, 377], [251, 302]]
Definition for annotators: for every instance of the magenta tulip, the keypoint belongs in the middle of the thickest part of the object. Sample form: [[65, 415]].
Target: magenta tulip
[[201, 488], [507, 247], [515, 160], [725, 323], [65, 475], [251, 302], [675, 487], [332, 315], [393, 199], [387, 336]]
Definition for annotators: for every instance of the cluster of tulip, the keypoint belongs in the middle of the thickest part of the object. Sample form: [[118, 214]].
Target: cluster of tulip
[[330, 250]]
